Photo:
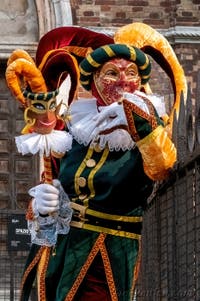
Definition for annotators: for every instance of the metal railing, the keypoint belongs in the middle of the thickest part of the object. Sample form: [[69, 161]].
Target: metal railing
[[170, 268]]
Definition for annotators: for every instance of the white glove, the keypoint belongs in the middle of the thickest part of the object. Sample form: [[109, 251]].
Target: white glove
[[46, 197], [110, 116]]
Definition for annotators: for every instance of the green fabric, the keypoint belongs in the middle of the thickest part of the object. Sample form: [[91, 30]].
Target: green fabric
[[46, 96], [119, 190], [143, 127], [71, 254], [120, 184], [121, 187]]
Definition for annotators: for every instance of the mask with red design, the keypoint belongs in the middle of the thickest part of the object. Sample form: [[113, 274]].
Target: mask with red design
[[113, 79]]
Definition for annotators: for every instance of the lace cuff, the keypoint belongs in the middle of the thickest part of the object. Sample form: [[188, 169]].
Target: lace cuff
[[65, 213], [44, 230]]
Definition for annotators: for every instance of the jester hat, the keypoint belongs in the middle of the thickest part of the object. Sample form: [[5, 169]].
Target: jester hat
[[76, 39], [58, 54], [105, 53], [141, 39], [61, 50]]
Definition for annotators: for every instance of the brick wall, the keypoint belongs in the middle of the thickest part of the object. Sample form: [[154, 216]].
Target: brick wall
[[189, 56], [159, 14]]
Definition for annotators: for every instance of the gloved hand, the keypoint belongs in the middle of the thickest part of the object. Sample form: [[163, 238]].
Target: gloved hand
[[46, 197], [109, 118]]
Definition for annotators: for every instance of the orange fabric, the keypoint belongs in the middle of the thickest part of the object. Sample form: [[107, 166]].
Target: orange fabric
[[158, 153], [19, 53], [30, 74], [29, 213]]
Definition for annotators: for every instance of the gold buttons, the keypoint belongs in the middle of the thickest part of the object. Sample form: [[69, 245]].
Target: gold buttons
[[97, 148], [90, 163], [81, 181]]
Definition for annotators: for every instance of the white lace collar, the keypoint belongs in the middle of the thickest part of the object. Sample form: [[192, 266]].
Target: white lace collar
[[85, 130], [57, 141]]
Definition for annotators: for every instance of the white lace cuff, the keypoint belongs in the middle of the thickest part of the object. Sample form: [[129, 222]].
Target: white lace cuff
[[65, 213], [45, 229]]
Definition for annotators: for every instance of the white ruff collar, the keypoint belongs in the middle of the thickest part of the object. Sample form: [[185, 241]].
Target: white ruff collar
[[86, 131], [56, 141]]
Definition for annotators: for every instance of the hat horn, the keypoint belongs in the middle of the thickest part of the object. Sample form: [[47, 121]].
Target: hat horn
[[26, 69], [19, 53], [156, 45]]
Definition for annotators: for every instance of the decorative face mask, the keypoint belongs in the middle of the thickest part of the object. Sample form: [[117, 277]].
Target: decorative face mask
[[114, 78], [41, 116], [41, 113]]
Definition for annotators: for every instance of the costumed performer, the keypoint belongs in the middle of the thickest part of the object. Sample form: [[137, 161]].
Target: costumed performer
[[120, 147]]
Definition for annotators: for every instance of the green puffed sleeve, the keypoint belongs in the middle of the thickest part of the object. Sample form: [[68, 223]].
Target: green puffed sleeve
[[157, 149]]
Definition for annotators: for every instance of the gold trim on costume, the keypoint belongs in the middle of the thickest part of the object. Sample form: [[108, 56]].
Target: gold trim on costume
[[30, 267], [114, 217], [136, 268], [84, 222], [80, 51], [94, 170], [84, 73], [108, 272], [41, 273], [92, 62], [91, 175], [144, 67], [131, 108], [85, 82], [44, 59], [130, 119], [85, 267], [108, 50], [145, 76], [132, 53], [80, 170], [111, 231]]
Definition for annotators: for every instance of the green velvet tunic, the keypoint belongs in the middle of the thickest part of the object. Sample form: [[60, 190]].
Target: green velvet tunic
[[116, 186], [106, 182]]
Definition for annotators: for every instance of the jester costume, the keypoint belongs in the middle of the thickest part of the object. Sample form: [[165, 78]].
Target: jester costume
[[107, 226], [118, 150]]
